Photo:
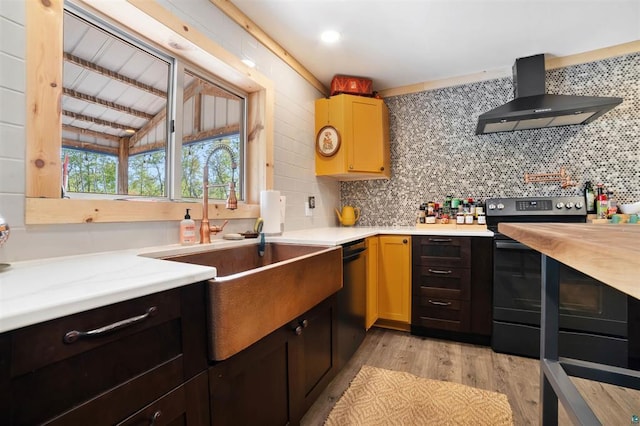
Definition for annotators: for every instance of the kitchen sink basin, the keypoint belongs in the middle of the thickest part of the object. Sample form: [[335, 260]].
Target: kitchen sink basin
[[254, 295]]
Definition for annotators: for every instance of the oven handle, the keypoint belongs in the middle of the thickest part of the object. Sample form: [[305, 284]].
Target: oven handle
[[511, 245]]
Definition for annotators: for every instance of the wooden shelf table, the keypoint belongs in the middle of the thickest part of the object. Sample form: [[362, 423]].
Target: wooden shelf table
[[608, 253]]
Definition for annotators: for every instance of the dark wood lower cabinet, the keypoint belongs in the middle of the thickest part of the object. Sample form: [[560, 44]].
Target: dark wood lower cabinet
[[452, 282], [106, 377], [275, 381]]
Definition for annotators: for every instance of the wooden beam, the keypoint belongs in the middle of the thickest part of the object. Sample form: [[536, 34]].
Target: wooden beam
[[70, 143], [111, 105], [43, 95], [113, 75], [129, 209], [123, 168], [212, 133], [91, 133], [155, 146], [95, 120], [243, 20]]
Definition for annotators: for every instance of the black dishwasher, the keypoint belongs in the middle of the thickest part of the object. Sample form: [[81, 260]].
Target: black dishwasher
[[352, 300]]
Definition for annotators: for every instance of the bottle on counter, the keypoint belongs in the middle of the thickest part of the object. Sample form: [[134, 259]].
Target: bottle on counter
[[612, 204], [602, 204], [187, 230], [589, 198], [446, 208]]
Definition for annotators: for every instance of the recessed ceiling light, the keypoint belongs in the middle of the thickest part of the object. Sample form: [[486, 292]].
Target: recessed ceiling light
[[249, 63], [330, 36]]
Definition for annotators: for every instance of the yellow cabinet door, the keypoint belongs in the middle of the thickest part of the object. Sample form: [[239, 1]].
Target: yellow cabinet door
[[394, 278], [372, 282], [363, 127]]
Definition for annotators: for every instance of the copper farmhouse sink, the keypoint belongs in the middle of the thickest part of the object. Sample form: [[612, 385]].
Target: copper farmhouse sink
[[254, 295]]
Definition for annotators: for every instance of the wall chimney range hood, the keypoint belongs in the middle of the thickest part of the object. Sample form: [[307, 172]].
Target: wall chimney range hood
[[532, 108]]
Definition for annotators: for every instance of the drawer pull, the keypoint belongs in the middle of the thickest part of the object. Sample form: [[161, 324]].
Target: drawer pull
[[437, 271], [441, 240], [438, 303], [74, 335], [155, 417]]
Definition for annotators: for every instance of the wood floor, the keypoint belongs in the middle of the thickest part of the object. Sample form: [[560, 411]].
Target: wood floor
[[472, 365]]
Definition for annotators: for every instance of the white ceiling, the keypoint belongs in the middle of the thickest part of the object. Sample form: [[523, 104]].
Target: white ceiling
[[403, 42]]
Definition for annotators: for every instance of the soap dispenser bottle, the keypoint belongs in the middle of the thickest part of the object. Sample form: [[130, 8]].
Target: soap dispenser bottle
[[187, 230]]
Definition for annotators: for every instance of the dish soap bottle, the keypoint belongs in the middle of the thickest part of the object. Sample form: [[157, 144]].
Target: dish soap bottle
[[187, 230]]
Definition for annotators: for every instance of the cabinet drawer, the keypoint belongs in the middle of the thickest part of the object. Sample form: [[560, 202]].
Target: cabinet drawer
[[453, 315], [442, 251], [120, 402], [64, 376], [185, 405], [442, 282], [43, 344]]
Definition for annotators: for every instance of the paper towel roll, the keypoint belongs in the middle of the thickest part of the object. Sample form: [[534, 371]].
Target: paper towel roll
[[270, 211]]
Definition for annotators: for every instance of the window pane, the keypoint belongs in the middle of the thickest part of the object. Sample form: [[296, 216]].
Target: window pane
[[115, 103], [212, 118], [91, 172]]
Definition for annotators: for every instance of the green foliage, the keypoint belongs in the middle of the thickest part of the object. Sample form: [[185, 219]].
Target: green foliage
[[91, 172], [147, 174]]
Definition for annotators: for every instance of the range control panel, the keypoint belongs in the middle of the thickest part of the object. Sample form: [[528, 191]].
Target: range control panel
[[536, 206]]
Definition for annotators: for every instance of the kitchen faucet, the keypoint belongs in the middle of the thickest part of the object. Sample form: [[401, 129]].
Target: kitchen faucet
[[232, 201]]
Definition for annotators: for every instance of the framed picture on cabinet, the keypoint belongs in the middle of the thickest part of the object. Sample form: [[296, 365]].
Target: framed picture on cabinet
[[328, 141]]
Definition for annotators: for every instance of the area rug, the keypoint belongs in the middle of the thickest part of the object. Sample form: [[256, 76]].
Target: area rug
[[384, 397]]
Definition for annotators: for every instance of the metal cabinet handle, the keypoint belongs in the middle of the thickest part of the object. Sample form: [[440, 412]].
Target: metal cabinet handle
[[74, 335], [155, 417], [298, 330], [405, 241], [438, 303], [436, 271], [441, 240], [382, 169], [304, 323]]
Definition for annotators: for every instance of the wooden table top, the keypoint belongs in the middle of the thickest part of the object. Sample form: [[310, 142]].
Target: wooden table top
[[609, 253]]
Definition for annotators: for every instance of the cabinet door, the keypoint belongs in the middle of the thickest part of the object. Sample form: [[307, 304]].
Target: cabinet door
[[365, 150], [252, 387], [313, 356], [394, 278], [372, 281]]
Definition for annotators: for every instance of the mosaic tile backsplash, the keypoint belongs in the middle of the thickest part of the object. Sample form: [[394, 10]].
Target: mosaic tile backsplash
[[435, 151]]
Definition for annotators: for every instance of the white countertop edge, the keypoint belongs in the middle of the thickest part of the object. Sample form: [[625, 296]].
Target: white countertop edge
[[343, 235], [43, 289]]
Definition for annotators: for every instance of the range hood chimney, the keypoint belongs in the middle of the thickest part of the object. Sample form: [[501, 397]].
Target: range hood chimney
[[532, 108]]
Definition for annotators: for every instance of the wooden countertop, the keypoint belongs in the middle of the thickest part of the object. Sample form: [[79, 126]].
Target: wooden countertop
[[609, 253]]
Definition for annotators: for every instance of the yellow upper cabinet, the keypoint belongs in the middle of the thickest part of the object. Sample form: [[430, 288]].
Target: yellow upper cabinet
[[361, 137]]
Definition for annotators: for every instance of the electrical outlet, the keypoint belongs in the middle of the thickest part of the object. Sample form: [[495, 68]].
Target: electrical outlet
[[312, 202], [307, 209]]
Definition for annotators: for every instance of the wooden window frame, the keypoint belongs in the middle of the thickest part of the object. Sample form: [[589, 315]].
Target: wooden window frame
[[149, 20]]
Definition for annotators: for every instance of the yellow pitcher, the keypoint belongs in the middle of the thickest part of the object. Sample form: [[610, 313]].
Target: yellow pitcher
[[349, 216]]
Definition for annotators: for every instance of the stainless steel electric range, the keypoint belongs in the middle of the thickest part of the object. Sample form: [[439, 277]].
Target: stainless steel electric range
[[593, 316]]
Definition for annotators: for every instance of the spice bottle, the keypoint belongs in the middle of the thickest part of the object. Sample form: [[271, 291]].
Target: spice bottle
[[602, 204], [589, 198]]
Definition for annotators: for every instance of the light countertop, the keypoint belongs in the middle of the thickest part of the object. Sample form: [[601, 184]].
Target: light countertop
[[345, 234], [39, 290], [608, 253]]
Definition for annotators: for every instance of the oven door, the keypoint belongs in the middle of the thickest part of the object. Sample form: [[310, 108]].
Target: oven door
[[585, 304]]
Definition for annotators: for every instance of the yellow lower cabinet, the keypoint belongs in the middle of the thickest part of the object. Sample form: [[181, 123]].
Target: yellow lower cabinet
[[394, 278], [372, 281]]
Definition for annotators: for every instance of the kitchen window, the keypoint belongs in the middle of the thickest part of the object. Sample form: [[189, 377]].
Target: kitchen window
[[196, 56], [118, 118]]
